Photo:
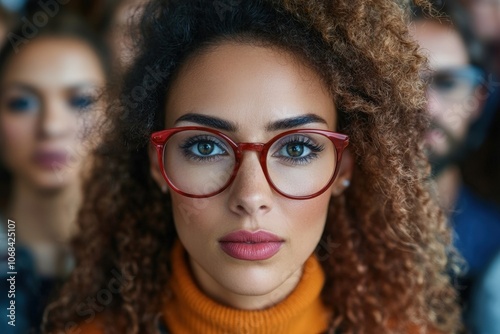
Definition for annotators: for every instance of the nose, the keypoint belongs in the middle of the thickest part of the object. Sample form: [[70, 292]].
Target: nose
[[250, 193], [54, 119]]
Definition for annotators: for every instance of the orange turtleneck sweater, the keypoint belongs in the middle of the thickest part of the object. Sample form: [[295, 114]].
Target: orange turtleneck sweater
[[188, 310]]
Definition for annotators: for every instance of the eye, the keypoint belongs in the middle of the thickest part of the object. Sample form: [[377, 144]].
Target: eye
[[445, 82], [297, 150], [204, 148], [81, 102], [22, 104]]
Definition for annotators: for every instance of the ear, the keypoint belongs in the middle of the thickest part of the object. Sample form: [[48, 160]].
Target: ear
[[154, 168], [343, 179]]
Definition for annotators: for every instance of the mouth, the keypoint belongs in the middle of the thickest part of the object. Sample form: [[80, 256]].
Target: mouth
[[50, 159], [251, 246]]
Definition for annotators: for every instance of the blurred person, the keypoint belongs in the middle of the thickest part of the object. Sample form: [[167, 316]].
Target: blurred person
[[456, 97], [50, 101], [482, 17]]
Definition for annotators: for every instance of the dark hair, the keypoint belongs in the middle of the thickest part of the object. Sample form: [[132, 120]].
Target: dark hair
[[63, 25], [393, 261]]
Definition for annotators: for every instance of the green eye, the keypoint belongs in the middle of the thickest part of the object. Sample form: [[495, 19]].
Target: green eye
[[205, 148]]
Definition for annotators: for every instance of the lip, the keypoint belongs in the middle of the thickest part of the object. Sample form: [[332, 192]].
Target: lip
[[251, 246], [50, 159]]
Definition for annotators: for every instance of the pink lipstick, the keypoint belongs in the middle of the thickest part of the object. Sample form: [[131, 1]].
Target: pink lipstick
[[251, 246], [50, 159]]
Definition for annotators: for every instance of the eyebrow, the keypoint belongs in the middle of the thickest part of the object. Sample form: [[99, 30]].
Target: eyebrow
[[210, 121], [294, 122], [34, 90], [19, 86], [221, 124]]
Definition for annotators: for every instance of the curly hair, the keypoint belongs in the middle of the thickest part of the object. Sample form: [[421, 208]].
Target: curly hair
[[394, 255]]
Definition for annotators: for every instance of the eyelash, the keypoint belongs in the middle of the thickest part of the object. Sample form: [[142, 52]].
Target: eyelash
[[300, 140]]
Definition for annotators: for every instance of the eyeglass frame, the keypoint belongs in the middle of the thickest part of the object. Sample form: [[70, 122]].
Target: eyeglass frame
[[159, 138], [475, 75]]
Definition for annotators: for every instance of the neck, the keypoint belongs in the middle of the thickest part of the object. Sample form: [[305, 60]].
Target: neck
[[45, 222], [243, 302], [448, 184]]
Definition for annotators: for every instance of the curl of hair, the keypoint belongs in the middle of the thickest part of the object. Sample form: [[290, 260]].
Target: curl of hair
[[388, 243]]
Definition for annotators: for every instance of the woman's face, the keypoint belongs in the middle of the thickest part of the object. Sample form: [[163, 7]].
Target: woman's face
[[48, 97], [251, 88]]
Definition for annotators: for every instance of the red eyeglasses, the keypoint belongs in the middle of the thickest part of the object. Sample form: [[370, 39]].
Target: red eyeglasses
[[201, 162]]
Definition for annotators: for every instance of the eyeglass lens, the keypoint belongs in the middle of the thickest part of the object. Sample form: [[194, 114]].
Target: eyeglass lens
[[454, 85]]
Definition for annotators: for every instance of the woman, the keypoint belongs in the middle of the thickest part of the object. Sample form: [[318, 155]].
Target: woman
[[225, 166], [49, 100]]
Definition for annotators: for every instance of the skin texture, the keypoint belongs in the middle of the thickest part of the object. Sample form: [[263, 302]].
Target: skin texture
[[250, 86], [49, 73]]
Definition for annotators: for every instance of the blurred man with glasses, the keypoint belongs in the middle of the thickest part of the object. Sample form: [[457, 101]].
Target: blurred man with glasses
[[456, 94]]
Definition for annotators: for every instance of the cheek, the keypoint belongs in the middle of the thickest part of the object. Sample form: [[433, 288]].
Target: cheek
[[80, 138], [310, 213], [307, 221], [195, 216], [17, 137]]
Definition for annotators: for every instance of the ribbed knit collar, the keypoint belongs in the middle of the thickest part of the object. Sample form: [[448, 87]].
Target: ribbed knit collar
[[189, 310]]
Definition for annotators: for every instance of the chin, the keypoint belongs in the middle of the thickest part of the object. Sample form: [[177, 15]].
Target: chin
[[52, 183], [252, 281]]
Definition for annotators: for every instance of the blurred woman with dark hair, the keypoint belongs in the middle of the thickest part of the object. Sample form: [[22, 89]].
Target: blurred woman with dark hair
[[50, 100]]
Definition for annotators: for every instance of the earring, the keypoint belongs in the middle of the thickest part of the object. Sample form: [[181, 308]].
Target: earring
[[346, 183], [164, 188]]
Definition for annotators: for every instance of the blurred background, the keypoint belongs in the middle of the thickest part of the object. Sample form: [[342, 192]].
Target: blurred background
[[57, 56]]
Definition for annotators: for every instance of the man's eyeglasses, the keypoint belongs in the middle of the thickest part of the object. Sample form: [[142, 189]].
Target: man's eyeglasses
[[454, 84], [201, 162]]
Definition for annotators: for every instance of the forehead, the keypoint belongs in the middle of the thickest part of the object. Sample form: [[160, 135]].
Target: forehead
[[53, 62], [248, 85], [441, 43]]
